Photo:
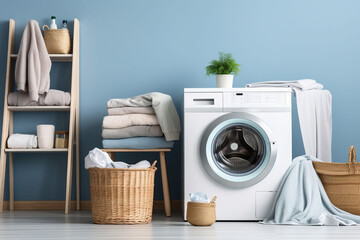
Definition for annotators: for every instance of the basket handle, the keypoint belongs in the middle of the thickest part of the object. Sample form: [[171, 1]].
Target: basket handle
[[214, 199], [352, 155], [153, 165], [43, 27]]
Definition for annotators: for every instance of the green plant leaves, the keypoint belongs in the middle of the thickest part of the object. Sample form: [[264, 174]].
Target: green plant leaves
[[225, 65]]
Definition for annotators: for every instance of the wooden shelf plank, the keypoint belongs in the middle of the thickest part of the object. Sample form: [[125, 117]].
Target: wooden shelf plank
[[53, 57], [36, 150], [39, 108]]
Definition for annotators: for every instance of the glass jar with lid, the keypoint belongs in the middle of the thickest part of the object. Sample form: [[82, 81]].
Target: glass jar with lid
[[61, 139]]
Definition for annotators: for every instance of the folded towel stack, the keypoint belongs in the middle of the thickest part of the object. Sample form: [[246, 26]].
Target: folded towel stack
[[141, 122]]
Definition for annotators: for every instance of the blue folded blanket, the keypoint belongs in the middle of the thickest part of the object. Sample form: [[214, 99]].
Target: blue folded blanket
[[138, 143]]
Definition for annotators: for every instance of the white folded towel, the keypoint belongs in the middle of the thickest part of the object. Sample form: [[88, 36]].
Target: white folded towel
[[302, 84], [97, 158], [22, 141], [139, 165], [122, 121]]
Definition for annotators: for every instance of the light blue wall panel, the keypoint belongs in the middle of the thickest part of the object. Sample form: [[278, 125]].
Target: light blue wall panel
[[137, 46]]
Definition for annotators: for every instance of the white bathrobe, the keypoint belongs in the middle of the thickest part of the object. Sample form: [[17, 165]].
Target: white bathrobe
[[33, 64]]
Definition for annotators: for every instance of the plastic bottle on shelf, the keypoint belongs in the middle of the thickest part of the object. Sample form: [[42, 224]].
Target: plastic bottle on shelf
[[64, 25], [53, 23]]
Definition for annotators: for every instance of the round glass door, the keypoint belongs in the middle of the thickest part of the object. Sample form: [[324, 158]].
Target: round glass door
[[238, 149]]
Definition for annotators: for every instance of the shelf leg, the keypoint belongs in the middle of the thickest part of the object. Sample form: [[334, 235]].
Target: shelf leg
[[2, 178], [167, 201], [11, 164], [11, 182], [77, 134]]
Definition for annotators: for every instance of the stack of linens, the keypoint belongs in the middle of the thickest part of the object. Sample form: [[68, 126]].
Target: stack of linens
[[142, 122]]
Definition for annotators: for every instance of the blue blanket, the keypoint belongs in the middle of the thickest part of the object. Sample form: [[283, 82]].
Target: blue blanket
[[302, 200], [138, 143]]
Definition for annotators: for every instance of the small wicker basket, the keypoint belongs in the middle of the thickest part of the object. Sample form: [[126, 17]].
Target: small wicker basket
[[122, 196], [342, 182], [201, 214], [57, 41]]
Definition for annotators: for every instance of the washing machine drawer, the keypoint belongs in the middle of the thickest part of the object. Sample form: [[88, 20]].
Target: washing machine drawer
[[203, 102]]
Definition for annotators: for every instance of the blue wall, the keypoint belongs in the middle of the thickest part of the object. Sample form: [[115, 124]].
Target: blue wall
[[137, 46]]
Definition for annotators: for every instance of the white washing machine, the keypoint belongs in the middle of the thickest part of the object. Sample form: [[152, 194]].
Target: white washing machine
[[237, 146]]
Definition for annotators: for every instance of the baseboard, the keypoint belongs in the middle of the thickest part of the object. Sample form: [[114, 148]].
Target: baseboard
[[84, 205]]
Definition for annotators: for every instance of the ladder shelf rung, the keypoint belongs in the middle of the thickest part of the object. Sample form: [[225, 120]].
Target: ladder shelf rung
[[36, 150], [53, 57]]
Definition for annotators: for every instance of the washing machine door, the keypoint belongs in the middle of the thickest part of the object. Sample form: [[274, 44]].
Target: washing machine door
[[238, 150]]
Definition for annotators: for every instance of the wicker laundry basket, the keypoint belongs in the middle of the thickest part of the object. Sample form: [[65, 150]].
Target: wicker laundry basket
[[122, 196], [342, 182], [57, 41]]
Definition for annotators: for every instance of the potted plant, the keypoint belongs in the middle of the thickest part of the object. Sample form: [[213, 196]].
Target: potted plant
[[225, 68]]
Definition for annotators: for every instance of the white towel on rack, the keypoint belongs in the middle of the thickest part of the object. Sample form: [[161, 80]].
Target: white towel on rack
[[22, 141], [302, 84], [315, 114], [33, 64], [315, 118]]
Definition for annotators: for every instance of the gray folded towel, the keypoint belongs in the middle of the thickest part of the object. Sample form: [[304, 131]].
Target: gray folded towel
[[52, 98]]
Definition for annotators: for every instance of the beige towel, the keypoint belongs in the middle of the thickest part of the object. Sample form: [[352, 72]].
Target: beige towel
[[133, 131], [128, 120], [33, 64], [128, 110]]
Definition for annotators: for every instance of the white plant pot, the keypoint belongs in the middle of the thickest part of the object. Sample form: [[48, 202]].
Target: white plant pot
[[224, 81]]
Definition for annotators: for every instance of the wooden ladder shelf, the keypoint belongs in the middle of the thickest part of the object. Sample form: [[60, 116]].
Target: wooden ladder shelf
[[8, 121]]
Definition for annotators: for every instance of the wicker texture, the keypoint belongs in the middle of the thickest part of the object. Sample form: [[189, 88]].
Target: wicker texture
[[122, 196], [201, 214], [57, 41], [342, 182]]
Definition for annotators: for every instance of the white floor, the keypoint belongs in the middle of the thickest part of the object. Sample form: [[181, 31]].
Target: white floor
[[78, 225]]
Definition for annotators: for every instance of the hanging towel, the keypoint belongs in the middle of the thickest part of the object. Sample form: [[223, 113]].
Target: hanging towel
[[128, 110], [133, 131], [301, 199], [315, 118], [22, 141], [122, 121], [33, 64], [164, 108], [302, 84], [315, 114]]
